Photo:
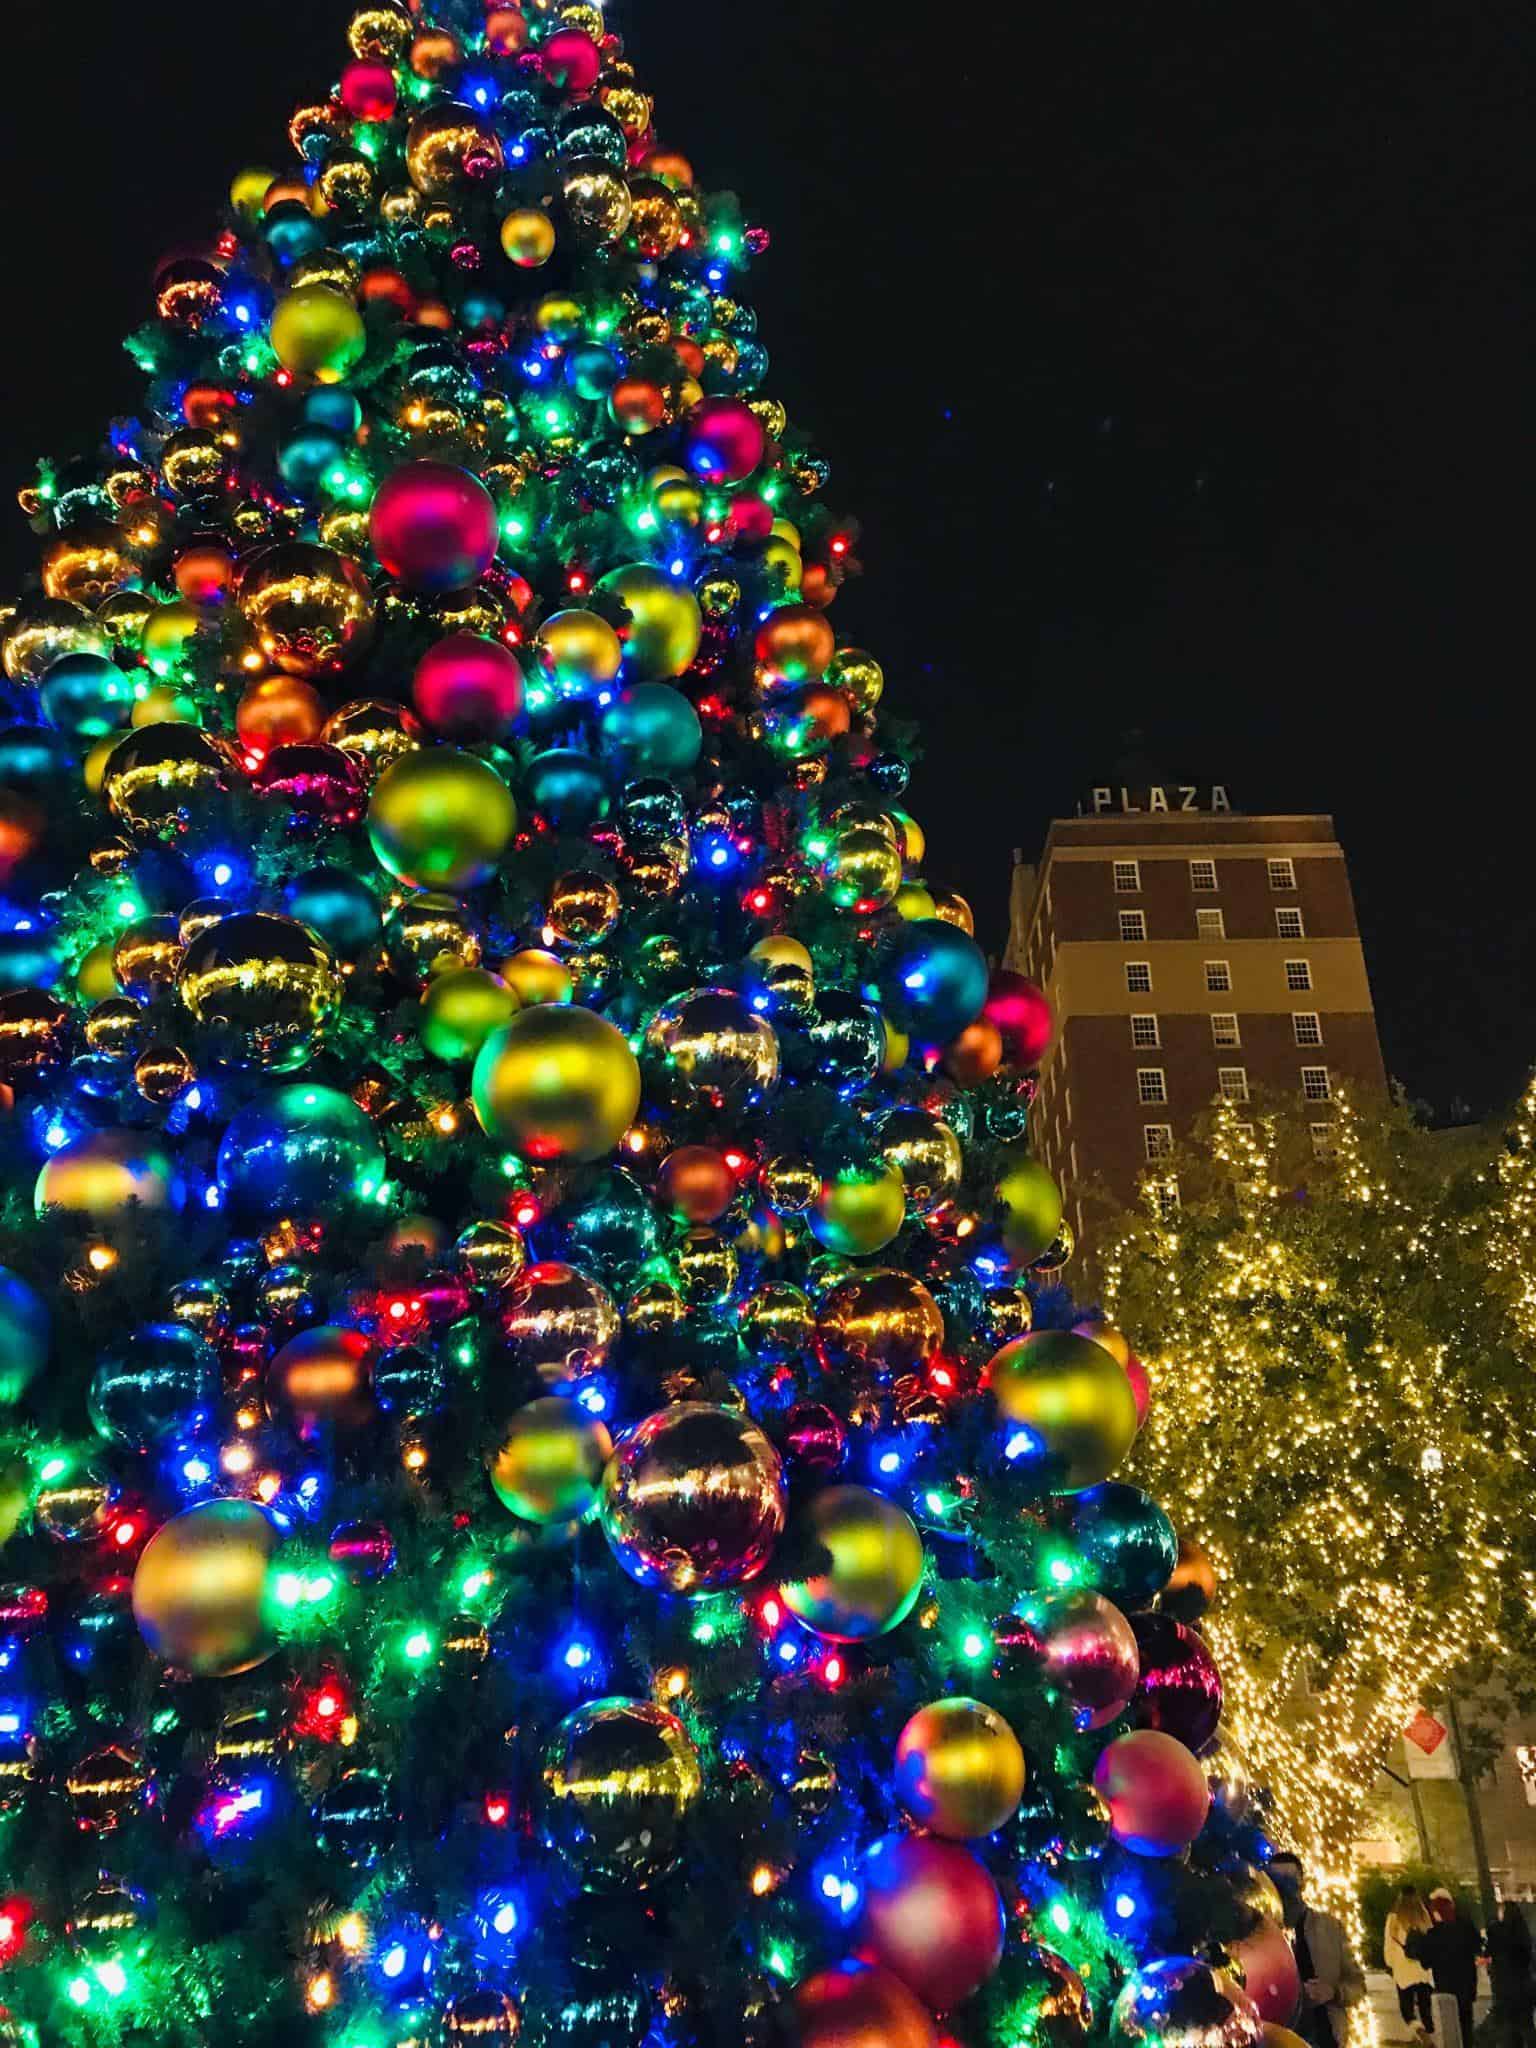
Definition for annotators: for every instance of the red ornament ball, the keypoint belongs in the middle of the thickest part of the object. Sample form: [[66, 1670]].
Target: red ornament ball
[[1270, 1976], [858, 2006], [319, 784], [368, 90], [1156, 1792], [1021, 1013], [572, 61], [723, 440], [468, 687], [1141, 1387], [434, 526], [932, 1916], [696, 1181]]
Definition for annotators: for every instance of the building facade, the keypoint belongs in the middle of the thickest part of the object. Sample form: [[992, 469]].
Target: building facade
[[1190, 954]]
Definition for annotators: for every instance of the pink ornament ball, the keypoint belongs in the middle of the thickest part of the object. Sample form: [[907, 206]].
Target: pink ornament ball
[[434, 526], [1270, 1976], [1021, 1014], [1141, 1387], [723, 440], [1155, 1790], [932, 1917], [572, 60], [368, 90], [468, 687]]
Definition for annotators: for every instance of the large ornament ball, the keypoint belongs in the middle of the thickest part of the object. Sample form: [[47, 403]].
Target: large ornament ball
[[1267, 1963], [959, 1769], [793, 645], [696, 1182], [309, 608], [652, 729], [107, 1178], [693, 1499], [1180, 2002], [300, 1150], [162, 781], [1180, 1688], [932, 1916], [278, 711], [469, 687], [1125, 1539], [25, 1333], [866, 1566], [373, 733], [448, 146], [878, 1325], [715, 1050], [163, 1380], [860, 2006], [926, 1153], [1276, 2036], [568, 789], [460, 1011], [338, 905], [1086, 1651], [661, 636], [1030, 1202], [536, 977], [859, 1210], [862, 869], [441, 819], [1155, 1790], [557, 1082], [433, 526], [86, 695], [263, 988], [200, 1592], [776, 1323], [1022, 1015], [723, 440], [558, 1323], [318, 332], [933, 981], [1073, 1401], [549, 1465], [619, 1780], [323, 1378]]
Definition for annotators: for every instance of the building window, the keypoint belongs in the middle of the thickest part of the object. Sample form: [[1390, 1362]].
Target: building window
[[1325, 1143], [1165, 1193], [1288, 925], [1209, 924], [1151, 1084], [1233, 1083], [1298, 976], [1224, 1029], [1127, 877], [1144, 1033], [1133, 927], [1202, 876], [1218, 978], [1308, 1027], [1245, 1132], [1282, 874], [1138, 977], [1314, 1085], [1158, 1139]]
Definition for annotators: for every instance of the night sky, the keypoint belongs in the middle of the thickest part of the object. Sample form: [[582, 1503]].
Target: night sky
[[1174, 357]]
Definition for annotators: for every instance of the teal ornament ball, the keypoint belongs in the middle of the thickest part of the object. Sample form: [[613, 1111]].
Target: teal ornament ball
[[25, 1328], [163, 1382], [568, 789], [933, 980], [86, 696], [613, 1229], [299, 1150], [338, 905], [1125, 1540], [652, 730], [28, 959]]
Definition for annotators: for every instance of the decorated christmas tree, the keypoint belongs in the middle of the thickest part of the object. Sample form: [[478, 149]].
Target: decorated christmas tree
[[532, 1493]]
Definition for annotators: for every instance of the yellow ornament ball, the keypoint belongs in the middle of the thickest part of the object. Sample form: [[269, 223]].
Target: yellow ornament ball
[[200, 1590], [1072, 1399], [549, 1467], [93, 771], [662, 636], [959, 1769], [873, 1567], [165, 705], [95, 978], [1031, 1204], [578, 650], [249, 188], [440, 818], [861, 1209], [1114, 1340], [898, 1048], [318, 333], [461, 1009], [858, 673], [167, 631], [528, 237], [557, 1082], [913, 902], [780, 950], [535, 976]]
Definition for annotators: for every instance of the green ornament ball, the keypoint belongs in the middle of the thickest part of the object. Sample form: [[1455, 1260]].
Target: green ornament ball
[[460, 1011], [440, 818]]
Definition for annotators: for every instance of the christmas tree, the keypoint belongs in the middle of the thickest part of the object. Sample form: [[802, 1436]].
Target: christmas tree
[[531, 1493]]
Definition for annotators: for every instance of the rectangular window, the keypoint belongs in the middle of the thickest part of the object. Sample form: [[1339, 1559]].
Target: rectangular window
[[1158, 1139], [1165, 1193], [1298, 976], [1233, 1083], [1144, 1033], [1151, 1084], [1202, 876], [1307, 1026], [1138, 977], [1210, 924], [1245, 1132], [1218, 978], [1282, 874], [1133, 927], [1314, 1085], [1224, 1029], [1324, 1142], [1288, 925], [1127, 877]]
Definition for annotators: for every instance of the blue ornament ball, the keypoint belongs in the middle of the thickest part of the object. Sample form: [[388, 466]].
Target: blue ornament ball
[[933, 981], [28, 959], [338, 905], [568, 788], [654, 730], [25, 1327], [163, 1382], [37, 761], [299, 1149]]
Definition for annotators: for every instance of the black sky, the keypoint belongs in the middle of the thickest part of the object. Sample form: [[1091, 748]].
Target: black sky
[[1174, 356]]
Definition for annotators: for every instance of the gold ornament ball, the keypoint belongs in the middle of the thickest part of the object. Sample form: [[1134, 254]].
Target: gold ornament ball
[[620, 1777], [1073, 1399], [1114, 1340], [655, 1309], [460, 1011], [959, 1769], [790, 1185], [162, 779], [535, 977], [431, 934], [913, 902], [491, 1254], [557, 1082], [95, 977], [549, 1466], [323, 1378], [951, 907], [583, 908], [200, 1589], [862, 870], [926, 1153], [372, 733], [665, 623], [597, 200], [1031, 1204], [440, 818], [780, 950], [1007, 1313], [882, 1323], [777, 1322], [578, 650], [146, 956], [870, 1567], [116, 1027], [448, 146], [528, 237], [263, 987], [309, 609], [106, 1177], [318, 333], [858, 673], [162, 1072], [860, 1210]]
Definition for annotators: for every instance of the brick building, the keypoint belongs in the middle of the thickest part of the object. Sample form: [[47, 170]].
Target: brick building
[[1189, 953]]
